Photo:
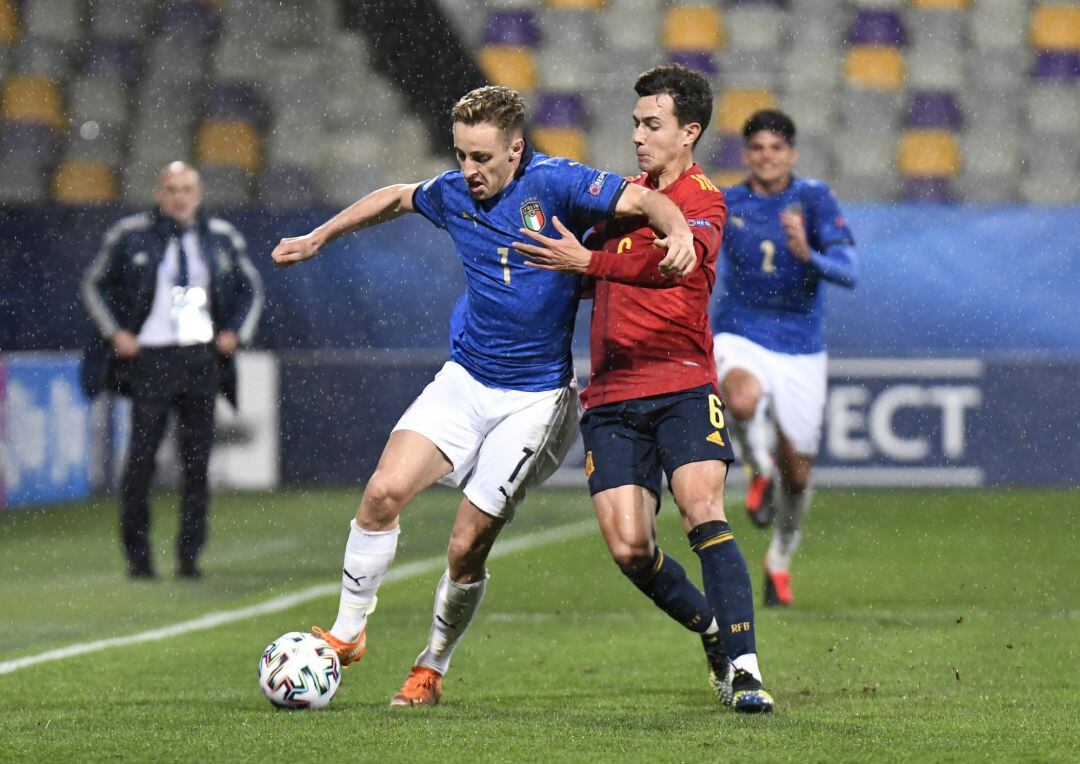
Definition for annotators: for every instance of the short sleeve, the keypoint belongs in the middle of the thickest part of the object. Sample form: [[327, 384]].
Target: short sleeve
[[428, 199], [826, 223], [592, 193]]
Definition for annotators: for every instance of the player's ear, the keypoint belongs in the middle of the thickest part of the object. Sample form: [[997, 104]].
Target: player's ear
[[517, 147], [691, 131], [794, 156]]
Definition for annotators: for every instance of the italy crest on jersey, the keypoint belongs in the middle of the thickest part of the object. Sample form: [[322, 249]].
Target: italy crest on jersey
[[532, 215]]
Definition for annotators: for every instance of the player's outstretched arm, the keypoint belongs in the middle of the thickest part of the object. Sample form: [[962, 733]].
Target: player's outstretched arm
[[664, 216], [377, 207]]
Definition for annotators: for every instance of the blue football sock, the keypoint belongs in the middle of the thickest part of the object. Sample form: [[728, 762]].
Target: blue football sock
[[727, 584], [664, 581]]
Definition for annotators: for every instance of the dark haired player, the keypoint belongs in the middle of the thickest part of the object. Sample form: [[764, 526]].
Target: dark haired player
[[785, 238], [652, 407], [500, 415]]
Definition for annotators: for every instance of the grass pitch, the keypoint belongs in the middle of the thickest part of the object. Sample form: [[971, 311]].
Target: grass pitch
[[928, 626]]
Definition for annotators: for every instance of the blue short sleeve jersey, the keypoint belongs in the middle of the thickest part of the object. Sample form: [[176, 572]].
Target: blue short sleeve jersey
[[513, 327], [770, 296]]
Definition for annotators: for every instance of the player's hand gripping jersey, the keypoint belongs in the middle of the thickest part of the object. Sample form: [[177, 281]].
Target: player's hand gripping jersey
[[514, 325], [656, 340], [773, 298]]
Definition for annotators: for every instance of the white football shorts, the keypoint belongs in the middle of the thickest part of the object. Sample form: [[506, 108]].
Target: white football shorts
[[793, 384], [500, 442]]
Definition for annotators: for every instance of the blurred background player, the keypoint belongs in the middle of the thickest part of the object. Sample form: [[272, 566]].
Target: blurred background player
[[501, 414], [652, 407], [173, 294], [785, 238]]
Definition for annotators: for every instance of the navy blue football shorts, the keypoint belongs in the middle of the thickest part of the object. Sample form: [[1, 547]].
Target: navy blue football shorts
[[636, 442]]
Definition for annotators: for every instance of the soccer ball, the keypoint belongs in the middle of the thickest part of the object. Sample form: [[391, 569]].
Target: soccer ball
[[299, 670]]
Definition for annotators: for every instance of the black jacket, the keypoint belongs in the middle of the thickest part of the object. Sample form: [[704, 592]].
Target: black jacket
[[118, 292]]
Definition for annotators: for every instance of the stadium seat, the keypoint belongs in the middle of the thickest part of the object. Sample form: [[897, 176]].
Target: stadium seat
[[1054, 109], [118, 19], [940, 5], [990, 152], [98, 98], [112, 57], [1005, 70], [188, 20], [727, 153], [560, 109], [513, 67], [236, 101], [512, 28], [576, 5], [810, 68], [928, 153], [928, 189], [997, 24], [1055, 26], [878, 110], [813, 109], [287, 187], [930, 67], [84, 181], [727, 178], [231, 143], [736, 106], [815, 155], [1062, 188], [566, 142], [98, 141], [757, 26], [865, 153], [878, 27], [701, 61], [10, 31], [33, 98], [693, 28], [1057, 65], [22, 183], [751, 69], [226, 186], [46, 58], [623, 22], [172, 59], [936, 28], [933, 109], [874, 67], [29, 142], [57, 20]]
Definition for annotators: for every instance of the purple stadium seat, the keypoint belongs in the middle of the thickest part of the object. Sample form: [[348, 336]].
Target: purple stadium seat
[[287, 186], [29, 140], [928, 190], [877, 27], [515, 28], [236, 100], [107, 57], [934, 108], [699, 60], [1061, 65], [771, 3], [561, 109], [188, 18], [728, 152]]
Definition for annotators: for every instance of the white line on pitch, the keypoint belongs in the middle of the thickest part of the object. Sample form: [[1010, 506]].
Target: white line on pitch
[[284, 602]]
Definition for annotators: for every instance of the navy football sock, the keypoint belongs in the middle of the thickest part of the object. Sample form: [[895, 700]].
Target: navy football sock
[[727, 584], [664, 582]]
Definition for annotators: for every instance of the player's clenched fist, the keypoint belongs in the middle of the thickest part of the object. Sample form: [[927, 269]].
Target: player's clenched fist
[[681, 257], [291, 251]]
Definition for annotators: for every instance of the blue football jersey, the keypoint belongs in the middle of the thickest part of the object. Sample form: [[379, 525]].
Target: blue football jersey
[[770, 296], [513, 327]]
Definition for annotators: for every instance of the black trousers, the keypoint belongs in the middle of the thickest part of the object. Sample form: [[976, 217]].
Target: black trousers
[[183, 379]]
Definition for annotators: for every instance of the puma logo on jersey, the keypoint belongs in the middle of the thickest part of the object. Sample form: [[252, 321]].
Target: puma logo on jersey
[[715, 438]]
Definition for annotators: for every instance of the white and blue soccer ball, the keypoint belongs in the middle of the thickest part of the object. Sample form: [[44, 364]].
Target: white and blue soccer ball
[[299, 670]]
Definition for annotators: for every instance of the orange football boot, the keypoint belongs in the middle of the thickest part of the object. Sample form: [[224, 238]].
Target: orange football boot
[[423, 687], [347, 652]]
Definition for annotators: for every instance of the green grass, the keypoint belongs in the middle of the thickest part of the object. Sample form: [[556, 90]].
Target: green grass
[[929, 626]]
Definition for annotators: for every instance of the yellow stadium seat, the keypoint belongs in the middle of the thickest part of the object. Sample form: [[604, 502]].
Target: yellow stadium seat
[[1056, 27], [940, 5], [576, 5], [725, 178], [561, 142], [875, 67], [510, 66], [9, 23], [924, 153], [84, 181], [737, 104], [693, 27], [33, 98], [233, 143]]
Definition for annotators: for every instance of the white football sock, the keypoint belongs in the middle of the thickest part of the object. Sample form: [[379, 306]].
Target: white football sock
[[752, 438], [368, 556], [455, 605], [748, 663], [791, 508]]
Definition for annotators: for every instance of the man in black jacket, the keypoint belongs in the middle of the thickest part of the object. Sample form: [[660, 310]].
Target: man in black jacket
[[173, 295]]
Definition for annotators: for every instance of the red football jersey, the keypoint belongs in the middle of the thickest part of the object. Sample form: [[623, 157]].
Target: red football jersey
[[650, 333]]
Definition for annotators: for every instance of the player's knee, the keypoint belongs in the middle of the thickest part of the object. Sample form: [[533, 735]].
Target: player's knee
[[383, 499], [633, 559], [740, 403]]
